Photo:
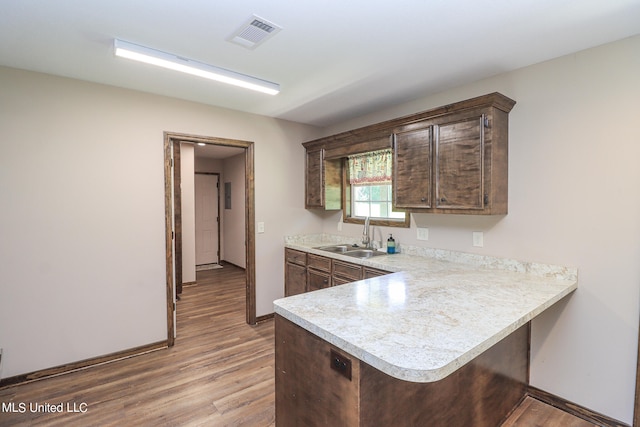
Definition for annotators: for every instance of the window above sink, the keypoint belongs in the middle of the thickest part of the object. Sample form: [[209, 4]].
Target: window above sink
[[368, 190]]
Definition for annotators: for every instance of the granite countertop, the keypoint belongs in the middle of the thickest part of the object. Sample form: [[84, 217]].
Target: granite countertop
[[436, 312]]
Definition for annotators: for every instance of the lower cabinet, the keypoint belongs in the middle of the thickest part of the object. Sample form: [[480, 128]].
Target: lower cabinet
[[309, 272], [295, 272], [345, 272], [295, 279], [317, 280], [337, 280], [318, 272], [369, 272], [318, 384]]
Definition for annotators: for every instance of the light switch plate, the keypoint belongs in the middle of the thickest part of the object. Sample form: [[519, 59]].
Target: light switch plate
[[478, 239], [423, 233], [261, 227]]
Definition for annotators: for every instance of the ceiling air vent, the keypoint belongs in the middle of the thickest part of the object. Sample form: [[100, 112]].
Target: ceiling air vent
[[254, 32]]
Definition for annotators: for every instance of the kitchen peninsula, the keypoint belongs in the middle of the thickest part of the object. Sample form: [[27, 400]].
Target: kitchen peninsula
[[442, 340]]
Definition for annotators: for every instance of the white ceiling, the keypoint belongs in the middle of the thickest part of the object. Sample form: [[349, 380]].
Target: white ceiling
[[334, 59]]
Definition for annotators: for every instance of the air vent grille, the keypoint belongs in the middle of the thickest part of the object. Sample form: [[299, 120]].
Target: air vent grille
[[254, 32], [262, 25]]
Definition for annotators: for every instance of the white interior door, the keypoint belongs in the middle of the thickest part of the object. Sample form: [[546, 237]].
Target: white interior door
[[207, 217]]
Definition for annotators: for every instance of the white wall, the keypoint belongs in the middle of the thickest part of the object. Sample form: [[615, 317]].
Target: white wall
[[234, 218], [574, 199], [82, 257]]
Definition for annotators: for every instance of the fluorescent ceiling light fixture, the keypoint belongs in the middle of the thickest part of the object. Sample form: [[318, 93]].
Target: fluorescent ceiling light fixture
[[173, 62]]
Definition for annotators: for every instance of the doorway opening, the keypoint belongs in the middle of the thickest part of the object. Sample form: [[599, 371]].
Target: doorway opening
[[207, 220], [173, 221]]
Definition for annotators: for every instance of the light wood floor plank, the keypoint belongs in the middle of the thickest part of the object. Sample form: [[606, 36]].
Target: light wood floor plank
[[219, 373], [533, 413]]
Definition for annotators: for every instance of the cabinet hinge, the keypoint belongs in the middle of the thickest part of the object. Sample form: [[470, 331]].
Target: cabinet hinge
[[486, 122]]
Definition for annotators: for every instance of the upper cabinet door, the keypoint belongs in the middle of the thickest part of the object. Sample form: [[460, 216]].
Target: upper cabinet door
[[412, 168], [314, 188], [459, 164], [323, 181]]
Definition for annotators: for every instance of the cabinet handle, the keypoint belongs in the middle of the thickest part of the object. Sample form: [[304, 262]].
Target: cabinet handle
[[442, 200], [325, 281], [424, 199]]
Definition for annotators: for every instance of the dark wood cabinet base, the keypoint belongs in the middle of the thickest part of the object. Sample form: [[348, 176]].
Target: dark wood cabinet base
[[310, 392]]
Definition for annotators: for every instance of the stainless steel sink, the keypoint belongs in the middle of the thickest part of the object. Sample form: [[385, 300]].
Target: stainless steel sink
[[338, 249], [364, 253], [350, 251]]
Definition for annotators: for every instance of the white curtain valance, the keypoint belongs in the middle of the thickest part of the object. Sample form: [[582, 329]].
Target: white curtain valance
[[372, 168]]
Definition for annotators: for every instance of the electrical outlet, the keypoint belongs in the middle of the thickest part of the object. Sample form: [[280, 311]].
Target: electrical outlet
[[478, 239], [261, 227], [423, 233], [341, 364]]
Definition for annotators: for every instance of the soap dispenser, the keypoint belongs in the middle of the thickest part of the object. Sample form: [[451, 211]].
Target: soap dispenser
[[391, 245]]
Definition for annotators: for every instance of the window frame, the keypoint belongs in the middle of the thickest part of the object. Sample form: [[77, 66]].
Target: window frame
[[346, 205]]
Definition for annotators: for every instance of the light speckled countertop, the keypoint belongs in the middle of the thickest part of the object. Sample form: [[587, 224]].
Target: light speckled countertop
[[438, 311]]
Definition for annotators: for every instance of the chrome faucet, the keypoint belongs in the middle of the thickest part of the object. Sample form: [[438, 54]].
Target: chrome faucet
[[366, 239]]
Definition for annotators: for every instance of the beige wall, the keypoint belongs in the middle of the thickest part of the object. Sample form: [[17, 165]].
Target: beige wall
[[188, 212], [234, 218], [574, 199], [82, 258]]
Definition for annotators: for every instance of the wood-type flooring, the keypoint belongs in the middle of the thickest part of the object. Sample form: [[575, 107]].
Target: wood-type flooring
[[219, 373], [534, 413]]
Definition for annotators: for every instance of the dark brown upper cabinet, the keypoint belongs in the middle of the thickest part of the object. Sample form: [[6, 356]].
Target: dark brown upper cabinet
[[323, 181], [454, 163], [440, 166], [459, 153], [412, 163], [450, 159], [314, 183]]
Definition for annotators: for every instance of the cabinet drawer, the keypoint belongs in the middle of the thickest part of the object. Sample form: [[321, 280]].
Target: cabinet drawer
[[347, 270], [296, 257], [374, 272], [317, 280], [319, 262], [337, 280]]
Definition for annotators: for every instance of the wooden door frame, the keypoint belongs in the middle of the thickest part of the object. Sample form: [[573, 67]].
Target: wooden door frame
[[177, 214], [170, 140]]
